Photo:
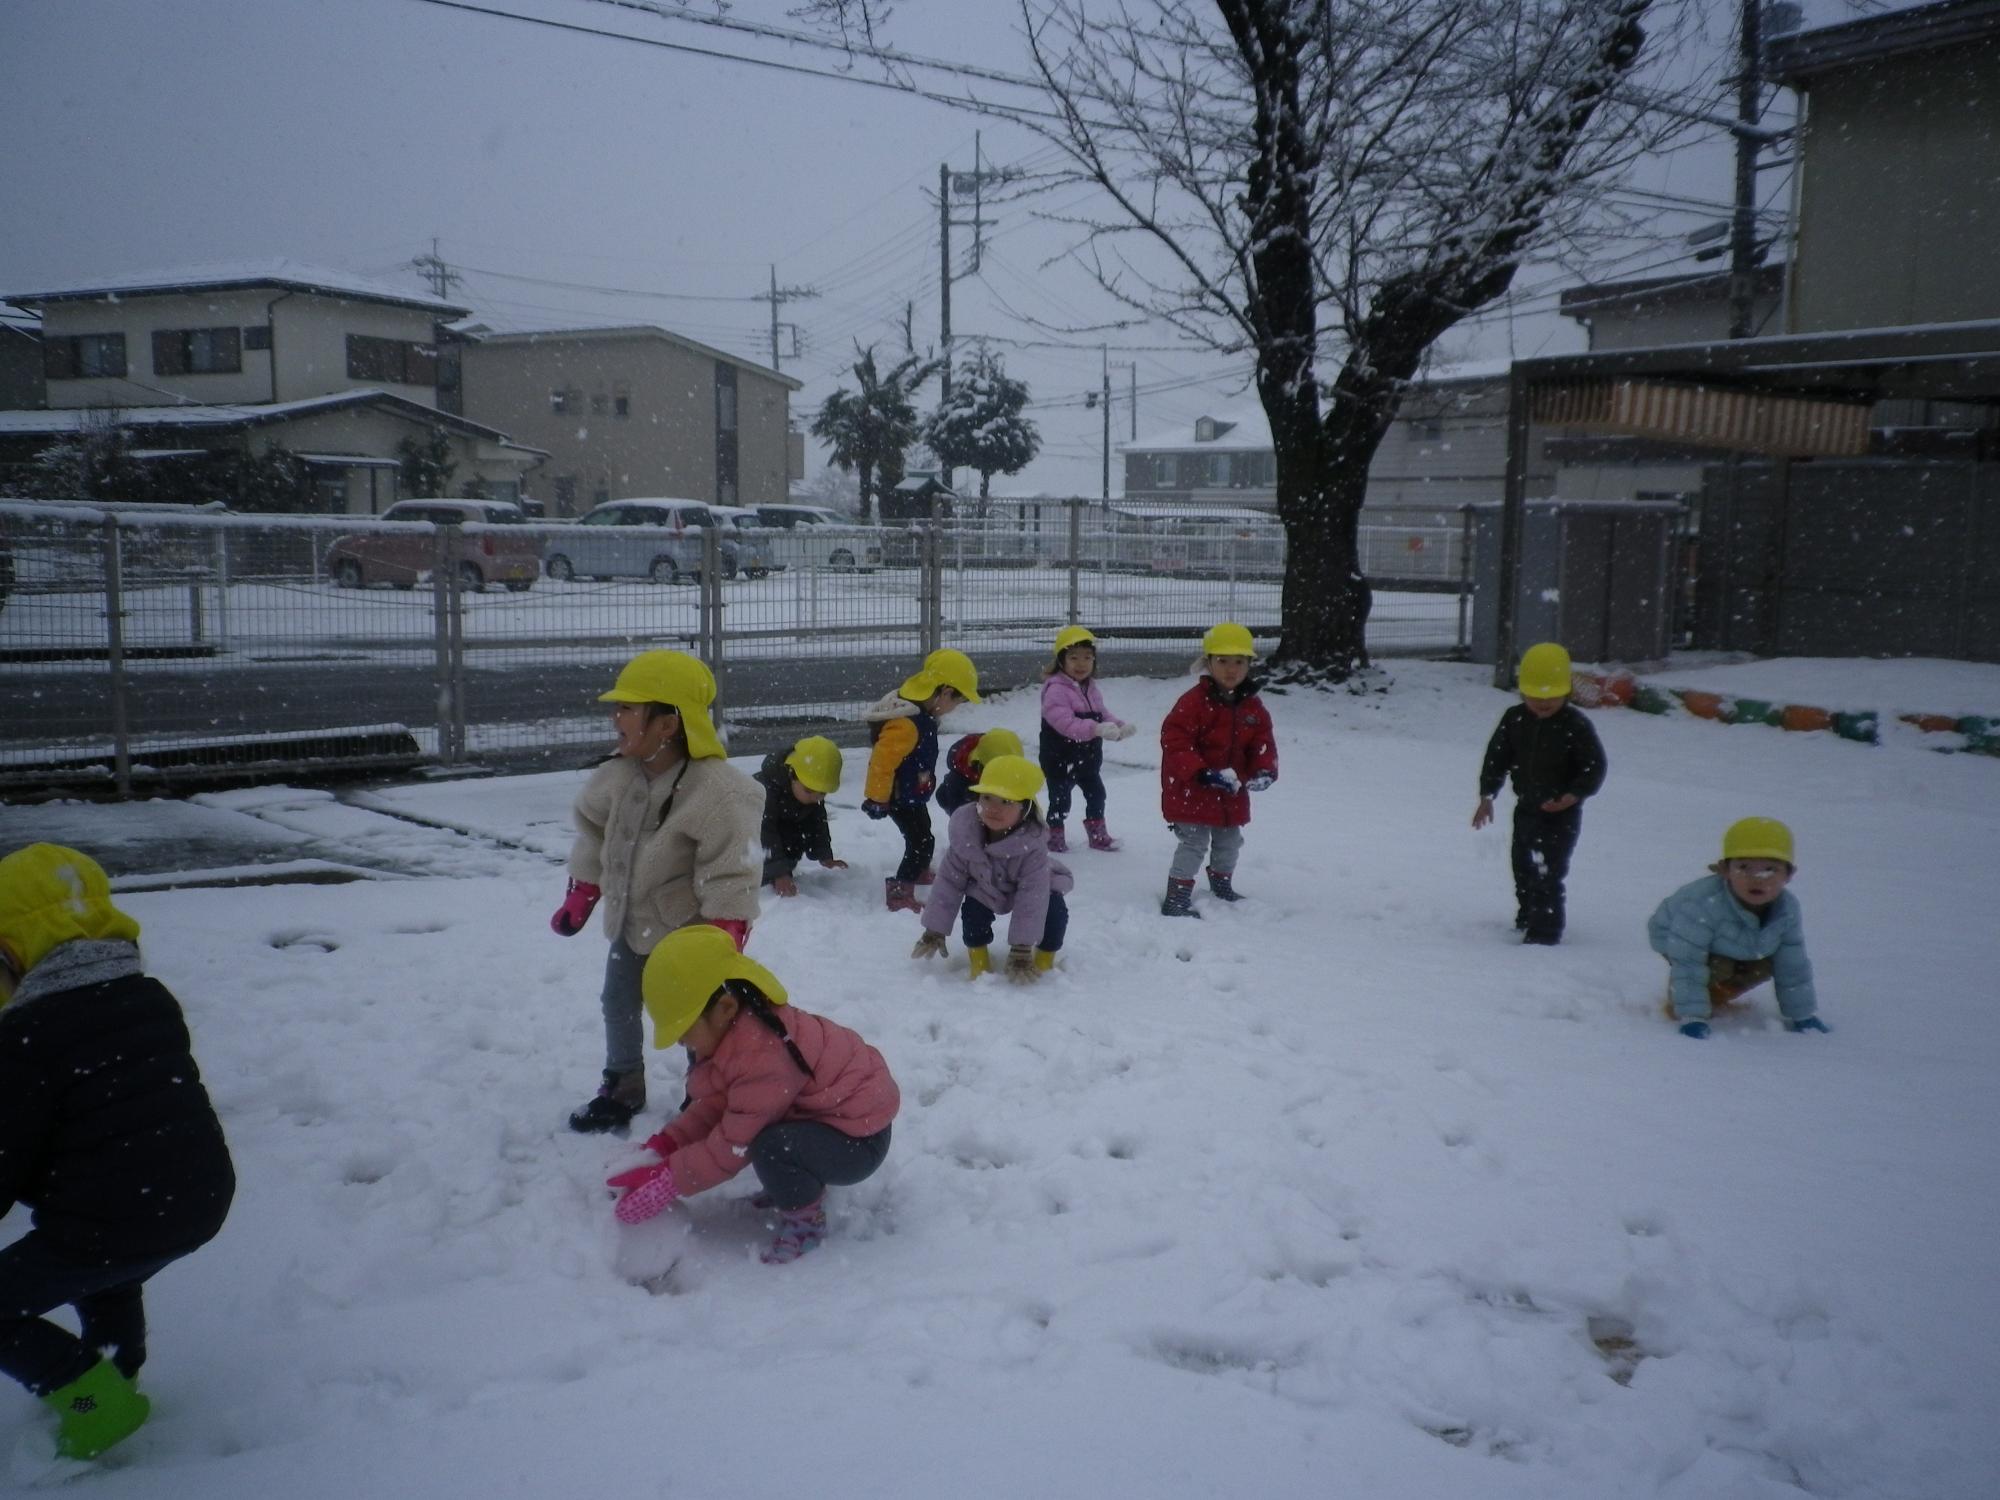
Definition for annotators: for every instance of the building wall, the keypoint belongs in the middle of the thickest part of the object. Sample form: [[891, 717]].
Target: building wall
[[309, 334], [663, 444], [1898, 198], [370, 433], [1649, 325]]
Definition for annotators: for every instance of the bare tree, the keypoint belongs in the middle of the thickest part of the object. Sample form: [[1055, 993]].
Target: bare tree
[[1333, 189]]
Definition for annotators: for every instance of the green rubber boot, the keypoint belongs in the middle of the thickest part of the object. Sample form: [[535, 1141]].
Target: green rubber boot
[[98, 1409]]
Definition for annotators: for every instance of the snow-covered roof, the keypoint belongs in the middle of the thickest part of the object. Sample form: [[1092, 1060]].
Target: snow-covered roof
[[1833, 37], [279, 273], [1245, 429], [483, 331], [193, 417]]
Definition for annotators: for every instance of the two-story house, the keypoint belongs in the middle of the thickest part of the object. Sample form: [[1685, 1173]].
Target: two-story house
[[338, 369], [629, 411]]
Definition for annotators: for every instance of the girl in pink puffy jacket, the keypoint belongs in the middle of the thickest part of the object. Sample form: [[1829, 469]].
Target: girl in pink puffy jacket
[[801, 1100], [1075, 725]]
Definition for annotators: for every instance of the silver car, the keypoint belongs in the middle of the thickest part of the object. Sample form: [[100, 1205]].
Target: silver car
[[656, 538], [755, 553]]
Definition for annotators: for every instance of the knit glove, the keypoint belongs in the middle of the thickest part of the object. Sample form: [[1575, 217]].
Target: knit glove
[[1261, 782], [1223, 780], [579, 901], [930, 945], [1125, 732], [1021, 964], [736, 927], [1810, 1023], [874, 809], [648, 1192]]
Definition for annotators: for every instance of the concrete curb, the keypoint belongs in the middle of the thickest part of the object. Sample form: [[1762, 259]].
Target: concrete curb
[[1978, 734]]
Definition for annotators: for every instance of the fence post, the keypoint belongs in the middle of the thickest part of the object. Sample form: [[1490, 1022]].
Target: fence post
[[221, 565], [1231, 611], [931, 588], [446, 613], [710, 612], [1075, 559], [114, 655], [1464, 642]]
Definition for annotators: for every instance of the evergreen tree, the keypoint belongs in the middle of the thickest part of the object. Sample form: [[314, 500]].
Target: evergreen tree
[[869, 429], [427, 466], [980, 426]]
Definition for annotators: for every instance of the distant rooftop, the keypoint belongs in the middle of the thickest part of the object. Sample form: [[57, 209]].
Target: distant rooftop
[[1800, 56], [281, 274], [1660, 291], [481, 331]]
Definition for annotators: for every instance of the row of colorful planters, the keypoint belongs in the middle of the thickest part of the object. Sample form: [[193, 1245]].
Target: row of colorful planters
[[1977, 734]]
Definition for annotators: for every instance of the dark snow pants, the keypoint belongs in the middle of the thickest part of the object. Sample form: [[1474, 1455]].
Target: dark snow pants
[[797, 1160], [1072, 763], [36, 1278], [913, 821], [1543, 843], [975, 923]]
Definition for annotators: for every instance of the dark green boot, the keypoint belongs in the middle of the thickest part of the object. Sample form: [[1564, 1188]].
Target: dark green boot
[[98, 1409]]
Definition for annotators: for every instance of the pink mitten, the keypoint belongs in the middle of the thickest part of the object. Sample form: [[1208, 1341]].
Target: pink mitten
[[652, 1189], [578, 903], [736, 927], [661, 1145]]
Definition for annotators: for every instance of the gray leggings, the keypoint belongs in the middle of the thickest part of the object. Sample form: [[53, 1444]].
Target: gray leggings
[[624, 1010], [1193, 847], [797, 1159]]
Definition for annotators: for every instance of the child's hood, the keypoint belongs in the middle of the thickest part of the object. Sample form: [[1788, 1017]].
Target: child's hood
[[51, 895], [891, 705]]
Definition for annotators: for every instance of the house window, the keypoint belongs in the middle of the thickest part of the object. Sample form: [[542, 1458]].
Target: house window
[[197, 351], [396, 361], [559, 401], [85, 356], [1166, 472], [725, 398], [565, 494], [621, 401], [257, 336]]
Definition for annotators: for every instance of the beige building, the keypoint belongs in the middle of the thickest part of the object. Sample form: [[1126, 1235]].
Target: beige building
[[1897, 198], [335, 368], [632, 411]]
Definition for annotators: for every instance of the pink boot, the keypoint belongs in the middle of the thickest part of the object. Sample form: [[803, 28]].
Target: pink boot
[[1057, 843], [1100, 836], [799, 1230], [900, 895]]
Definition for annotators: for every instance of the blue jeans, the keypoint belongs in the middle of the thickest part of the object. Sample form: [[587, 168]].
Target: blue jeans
[[975, 923], [624, 1009], [797, 1159]]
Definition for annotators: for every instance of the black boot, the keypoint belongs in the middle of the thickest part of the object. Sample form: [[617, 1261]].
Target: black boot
[[619, 1097], [1219, 883], [1180, 899]]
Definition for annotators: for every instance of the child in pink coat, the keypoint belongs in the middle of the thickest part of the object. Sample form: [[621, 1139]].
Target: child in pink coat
[[804, 1102], [1075, 725]]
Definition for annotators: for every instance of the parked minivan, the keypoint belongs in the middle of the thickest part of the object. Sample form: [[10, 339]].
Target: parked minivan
[[487, 552], [754, 553], [656, 538], [816, 537]]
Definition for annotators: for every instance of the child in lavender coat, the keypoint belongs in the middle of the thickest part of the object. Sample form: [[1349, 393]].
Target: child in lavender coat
[[997, 862], [1075, 725]]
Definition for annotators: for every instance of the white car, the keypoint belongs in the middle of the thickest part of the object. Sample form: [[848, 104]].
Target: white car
[[650, 537], [813, 537], [755, 554]]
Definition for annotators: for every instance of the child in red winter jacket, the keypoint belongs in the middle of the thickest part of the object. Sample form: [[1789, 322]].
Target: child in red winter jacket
[[1216, 748], [804, 1102]]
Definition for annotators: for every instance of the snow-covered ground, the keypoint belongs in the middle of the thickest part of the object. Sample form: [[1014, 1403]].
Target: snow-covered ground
[[1340, 1192]]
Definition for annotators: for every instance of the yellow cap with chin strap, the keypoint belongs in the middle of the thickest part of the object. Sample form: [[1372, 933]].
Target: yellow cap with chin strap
[[681, 682], [683, 973], [995, 743], [51, 895]]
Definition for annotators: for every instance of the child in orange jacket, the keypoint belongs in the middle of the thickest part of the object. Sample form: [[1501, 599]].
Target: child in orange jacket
[[902, 769]]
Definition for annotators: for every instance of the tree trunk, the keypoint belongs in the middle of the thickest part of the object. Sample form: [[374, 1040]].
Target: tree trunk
[[1322, 479]]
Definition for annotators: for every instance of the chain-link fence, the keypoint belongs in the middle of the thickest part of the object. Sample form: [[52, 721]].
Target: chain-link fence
[[145, 648]]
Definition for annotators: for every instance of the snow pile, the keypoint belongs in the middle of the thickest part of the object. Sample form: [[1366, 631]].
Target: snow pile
[[1337, 1191]]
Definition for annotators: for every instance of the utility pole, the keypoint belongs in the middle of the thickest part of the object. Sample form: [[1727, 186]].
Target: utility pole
[[965, 184], [775, 296], [437, 272], [1104, 352], [1743, 223]]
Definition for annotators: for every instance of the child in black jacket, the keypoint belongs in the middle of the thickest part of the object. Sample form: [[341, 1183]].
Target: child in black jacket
[[106, 1133], [1556, 761], [796, 785]]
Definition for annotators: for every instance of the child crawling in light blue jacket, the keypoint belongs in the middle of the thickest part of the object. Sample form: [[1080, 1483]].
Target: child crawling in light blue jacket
[[1728, 932]]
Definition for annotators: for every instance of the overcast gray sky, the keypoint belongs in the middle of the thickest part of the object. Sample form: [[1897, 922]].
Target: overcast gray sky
[[143, 135]]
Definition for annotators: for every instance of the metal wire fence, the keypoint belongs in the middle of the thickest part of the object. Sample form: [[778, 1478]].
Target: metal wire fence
[[141, 648]]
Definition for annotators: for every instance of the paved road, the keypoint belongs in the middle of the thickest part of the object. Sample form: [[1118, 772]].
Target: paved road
[[182, 698]]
